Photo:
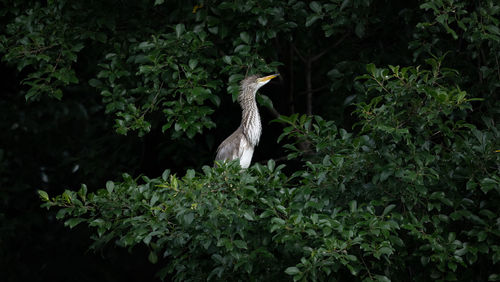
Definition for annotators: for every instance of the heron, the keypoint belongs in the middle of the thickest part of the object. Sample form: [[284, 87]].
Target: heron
[[240, 145]]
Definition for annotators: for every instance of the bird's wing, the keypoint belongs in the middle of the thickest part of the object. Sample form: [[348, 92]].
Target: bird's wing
[[229, 148]]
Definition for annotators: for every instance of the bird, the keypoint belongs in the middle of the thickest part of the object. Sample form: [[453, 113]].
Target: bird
[[241, 144]]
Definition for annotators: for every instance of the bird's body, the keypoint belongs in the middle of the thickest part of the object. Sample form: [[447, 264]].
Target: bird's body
[[236, 146], [241, 144]]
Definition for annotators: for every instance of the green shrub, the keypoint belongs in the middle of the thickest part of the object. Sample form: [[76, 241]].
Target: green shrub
[[411, 194]]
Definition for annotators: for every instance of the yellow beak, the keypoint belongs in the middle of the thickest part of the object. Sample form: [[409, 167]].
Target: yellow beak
[[266, 78]]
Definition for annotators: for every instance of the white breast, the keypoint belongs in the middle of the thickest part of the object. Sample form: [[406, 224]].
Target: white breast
[[246, 153], [252, 127]]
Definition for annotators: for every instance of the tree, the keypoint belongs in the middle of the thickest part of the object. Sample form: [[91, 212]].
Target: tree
[[408, 193]]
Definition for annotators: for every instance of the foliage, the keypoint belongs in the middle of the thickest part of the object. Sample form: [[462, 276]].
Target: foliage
[[173, 69], [408, 193], [474, 48], [174, 72], [411, 196]]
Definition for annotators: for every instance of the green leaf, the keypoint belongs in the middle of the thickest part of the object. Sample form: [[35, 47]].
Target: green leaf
[[265, 101], [72, 222], [494, 277], [43, 195], [153, 257], [488, 184], [360, 30], [312, 19], [101, 37], [344, 4], [353, 205], [193, 63], [371, 69], [388, 209], [95, 83], [165, 174], [424, 260], [315, 6], [179, 29], [351, 257], [482, 235], [188, 218], [292, 270], [215, 100], [226, 59], [242, 49], [277, 220], [381, 278], [240, 244], [83, 192], [493, 29], [190, 173], [110, 186], [452, 266], [245, 37], [248, 216], [262, 20], [154, 199], [385, 251], [57, 93], [77, 47], [266, 214], [461, 251]]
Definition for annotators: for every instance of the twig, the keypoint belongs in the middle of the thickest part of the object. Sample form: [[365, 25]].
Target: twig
[[498, 66], [291, 98], [366, 267], [57, 61], [308, 62], [153, 103], [314, 90], [309, 87], [298, 53], [316, 57]]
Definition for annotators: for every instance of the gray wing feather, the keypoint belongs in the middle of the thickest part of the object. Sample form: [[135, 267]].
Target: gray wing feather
[[229, 148]]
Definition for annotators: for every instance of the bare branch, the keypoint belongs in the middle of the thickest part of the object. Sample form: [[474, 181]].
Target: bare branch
[[302, 58], [291, 95], [316, 57], [309, 87], [314, 90]]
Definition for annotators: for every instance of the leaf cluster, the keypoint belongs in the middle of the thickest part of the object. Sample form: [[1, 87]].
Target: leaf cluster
[[412, 195]]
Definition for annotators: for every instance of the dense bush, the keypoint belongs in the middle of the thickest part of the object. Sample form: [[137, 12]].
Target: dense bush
[[411, 196]]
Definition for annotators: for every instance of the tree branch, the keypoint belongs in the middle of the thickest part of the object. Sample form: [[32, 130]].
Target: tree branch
[[309, 87], [291, 98], [302, 58], [316, 57], [314, 90]]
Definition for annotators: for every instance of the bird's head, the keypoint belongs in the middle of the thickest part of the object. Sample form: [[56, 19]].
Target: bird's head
[[252, 83]]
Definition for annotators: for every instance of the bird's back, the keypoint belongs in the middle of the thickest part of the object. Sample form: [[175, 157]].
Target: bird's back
[[236, 146]]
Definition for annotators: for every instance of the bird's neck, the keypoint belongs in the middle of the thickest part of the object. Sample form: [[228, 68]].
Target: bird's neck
[[250, 120]]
